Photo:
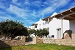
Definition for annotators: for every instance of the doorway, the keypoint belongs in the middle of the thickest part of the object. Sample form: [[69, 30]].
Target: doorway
[[59, 33]]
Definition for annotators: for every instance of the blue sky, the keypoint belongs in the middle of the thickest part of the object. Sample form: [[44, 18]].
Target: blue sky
[[30, 11]]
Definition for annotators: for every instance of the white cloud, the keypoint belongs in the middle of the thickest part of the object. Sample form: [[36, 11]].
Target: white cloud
[[55, 4], [62, 10], [25, 14], [47, 10], [2, 13], [34, 13], [18, 11], [17, 3], [6, 17], [30, 21], [61, 3], [36, 3], [28, 15], [27, 2], [2, 5], [49, 2], [14, 1]]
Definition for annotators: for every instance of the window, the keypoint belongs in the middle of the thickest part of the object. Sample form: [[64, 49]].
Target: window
[[35, 26], [59, 29], [46, 22], [52, 36]]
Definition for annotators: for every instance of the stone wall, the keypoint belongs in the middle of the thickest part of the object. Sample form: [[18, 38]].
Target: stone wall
[[6, 43], [39, 40], [9, 43], [31, 42], [66, 41]]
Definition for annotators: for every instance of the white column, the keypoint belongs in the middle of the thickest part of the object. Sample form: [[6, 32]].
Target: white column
[[61, 28], [48, 19]]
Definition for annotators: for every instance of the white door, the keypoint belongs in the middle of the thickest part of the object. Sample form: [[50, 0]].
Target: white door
[[59, 33]]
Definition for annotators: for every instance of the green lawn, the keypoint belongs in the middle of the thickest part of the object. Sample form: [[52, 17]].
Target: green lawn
[[41, 47]]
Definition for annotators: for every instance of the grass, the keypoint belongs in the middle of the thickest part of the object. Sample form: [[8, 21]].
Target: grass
[[40, 47]]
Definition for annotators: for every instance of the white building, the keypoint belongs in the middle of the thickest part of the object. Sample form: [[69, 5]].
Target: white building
[[55, 27], [58, 23], [62, 22], [41, 24]]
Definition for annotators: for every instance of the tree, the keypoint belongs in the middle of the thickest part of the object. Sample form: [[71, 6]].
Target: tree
[[41, 32], [11, 28], [31, 31]]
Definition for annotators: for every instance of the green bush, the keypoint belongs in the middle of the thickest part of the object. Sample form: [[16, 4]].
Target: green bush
[[11, 28]]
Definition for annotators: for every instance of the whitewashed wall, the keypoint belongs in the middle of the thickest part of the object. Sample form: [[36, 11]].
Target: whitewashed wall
[[42, 24], [55, 24], [72, 26], [66, 25]]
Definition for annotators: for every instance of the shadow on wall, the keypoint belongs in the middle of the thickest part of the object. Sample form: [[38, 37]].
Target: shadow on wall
[[69, 34], [4, 46]]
